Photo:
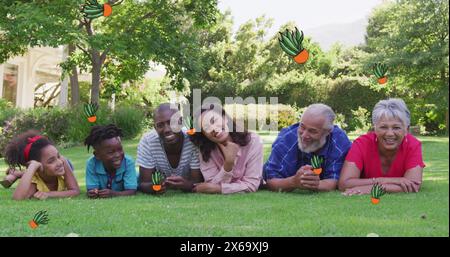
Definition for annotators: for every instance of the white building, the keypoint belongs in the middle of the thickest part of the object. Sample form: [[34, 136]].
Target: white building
[[19, 77]]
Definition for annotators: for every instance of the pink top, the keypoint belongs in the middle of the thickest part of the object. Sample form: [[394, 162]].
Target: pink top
[[246, 173], [364, 153]]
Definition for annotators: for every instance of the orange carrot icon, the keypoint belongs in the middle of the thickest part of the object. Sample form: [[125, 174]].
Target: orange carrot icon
[[90, 110], [190, 126], [157, 180], [380, 71], [40, 218], [291, 43], [92, 9], [316, 162], [376, 192]]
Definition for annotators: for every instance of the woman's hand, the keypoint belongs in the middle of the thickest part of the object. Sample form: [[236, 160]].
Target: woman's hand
[[105, 193], [41, 195], [361, 190], [408, 186], [229, 151], [208, 188], [178, 182]]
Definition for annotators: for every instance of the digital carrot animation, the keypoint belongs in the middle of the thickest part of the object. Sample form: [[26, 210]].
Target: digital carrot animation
[[40, 218], [90, 110], [291, 43], [157, 180], [190, 126], [316, 163], [380, 70], [92, 9], [376, 192]]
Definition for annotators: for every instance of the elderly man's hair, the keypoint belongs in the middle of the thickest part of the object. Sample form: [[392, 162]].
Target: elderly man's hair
[[323, 110], [391, 108]]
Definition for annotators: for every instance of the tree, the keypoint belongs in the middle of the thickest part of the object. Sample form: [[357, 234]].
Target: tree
[[412, 38], [136, 32]]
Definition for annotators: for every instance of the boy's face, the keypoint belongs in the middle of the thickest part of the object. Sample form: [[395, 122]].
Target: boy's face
[[110, 152]]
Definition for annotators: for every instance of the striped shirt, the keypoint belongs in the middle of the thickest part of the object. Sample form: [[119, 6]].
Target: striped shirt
[[151, 155], [286, 158]]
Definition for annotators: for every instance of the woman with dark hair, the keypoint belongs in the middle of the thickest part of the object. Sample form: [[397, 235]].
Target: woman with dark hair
[[231, 160], [48, 174]]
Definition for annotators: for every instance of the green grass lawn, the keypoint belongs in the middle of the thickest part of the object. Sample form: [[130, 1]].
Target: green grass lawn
[[257, 214]]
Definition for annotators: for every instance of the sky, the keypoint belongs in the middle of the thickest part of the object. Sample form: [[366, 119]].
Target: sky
[[306, 14]]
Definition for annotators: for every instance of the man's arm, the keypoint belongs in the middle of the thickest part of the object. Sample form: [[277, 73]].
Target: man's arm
[[282, 184]]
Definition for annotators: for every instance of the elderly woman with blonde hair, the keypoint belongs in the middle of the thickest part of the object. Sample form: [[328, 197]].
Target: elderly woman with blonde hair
[[389, 155]]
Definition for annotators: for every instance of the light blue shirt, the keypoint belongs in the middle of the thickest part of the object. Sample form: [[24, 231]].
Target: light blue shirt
[[97, 176]]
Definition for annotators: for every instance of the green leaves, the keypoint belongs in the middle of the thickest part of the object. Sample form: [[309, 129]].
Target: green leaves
[[316, 161], [90, 109], [411, 37], [157, 178], [41, 217], [92, 9], [379, 70], [377, 191], [291, 41], [189, 123]]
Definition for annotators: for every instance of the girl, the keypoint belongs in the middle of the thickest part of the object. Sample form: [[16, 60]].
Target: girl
[[47, 174]]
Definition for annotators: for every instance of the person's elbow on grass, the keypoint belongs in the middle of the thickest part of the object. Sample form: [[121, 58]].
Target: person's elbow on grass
[[19, 197], [76, 192], [275, 186]]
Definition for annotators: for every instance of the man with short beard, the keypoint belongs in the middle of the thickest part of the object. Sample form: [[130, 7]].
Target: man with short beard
[[289, 165], [168, 151]]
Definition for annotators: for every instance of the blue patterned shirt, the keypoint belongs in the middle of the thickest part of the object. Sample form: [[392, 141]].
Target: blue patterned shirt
[[286, 158]]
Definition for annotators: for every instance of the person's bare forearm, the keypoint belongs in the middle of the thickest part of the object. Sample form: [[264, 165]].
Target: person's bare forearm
[[392, 188], [388, 187], [326, 185], [146, 187], [228, 166], [22, 189], [67, 193], [358, 182], [355, 182]]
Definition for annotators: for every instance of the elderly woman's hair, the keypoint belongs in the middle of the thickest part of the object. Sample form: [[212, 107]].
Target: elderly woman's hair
[[391, 108], [325, 111]]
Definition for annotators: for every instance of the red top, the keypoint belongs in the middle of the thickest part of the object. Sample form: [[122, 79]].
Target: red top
[[364, 153]]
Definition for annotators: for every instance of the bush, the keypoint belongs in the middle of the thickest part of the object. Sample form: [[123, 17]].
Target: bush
[[79, 127], [347, 95], [361, 122], [284, 115], [51, 122], [130, 119], [69, 127], [7, 111]]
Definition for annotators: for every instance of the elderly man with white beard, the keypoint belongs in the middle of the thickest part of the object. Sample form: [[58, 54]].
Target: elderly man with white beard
[[290, 165]]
